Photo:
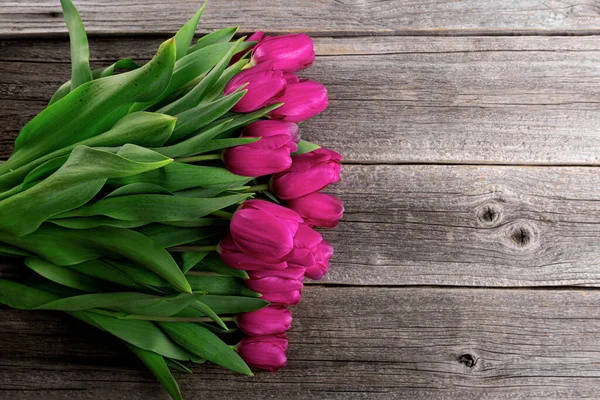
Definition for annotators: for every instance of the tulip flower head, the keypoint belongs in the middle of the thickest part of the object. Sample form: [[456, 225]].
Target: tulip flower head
[[310, 172], [264, 85], [265, 352], [265, 230], [289, 53], [281, 287], [269, 155], [301, 101], [266, 321], [305, 246], [318, 209], [235, 258], [322, 255], [255, 37]]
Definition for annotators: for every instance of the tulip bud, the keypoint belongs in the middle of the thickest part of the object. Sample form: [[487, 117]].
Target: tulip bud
[[318, 209], [289, 53], [255, 37], [321, 265], [265, 230], [266, 321], [282, 288], [265, 352], [235, 258], [310, 172], [305, 246], [291, 77], [264, 84], [301, 100], [270, 154]]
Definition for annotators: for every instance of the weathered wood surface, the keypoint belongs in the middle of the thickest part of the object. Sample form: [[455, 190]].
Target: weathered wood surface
[[322, 17], [482, 100], [358, 343]]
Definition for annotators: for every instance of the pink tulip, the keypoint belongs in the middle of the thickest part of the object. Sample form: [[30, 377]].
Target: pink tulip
[[270, 154], [301, 100], [290, 298], [235, 258], [310, 172], [289, 53], [255, 37], [265, 230], [305, 246], [291, 77], [265, 352], [264, 84], [321, 265], [296, 272], [281, 287], [318, 209], [266, 321]]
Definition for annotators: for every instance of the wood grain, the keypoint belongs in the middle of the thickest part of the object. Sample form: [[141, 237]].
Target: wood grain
[[359, 343], [323, 17], [468, 100]]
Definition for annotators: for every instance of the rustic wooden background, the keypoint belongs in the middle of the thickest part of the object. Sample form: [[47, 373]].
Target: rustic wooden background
[[468, 262]]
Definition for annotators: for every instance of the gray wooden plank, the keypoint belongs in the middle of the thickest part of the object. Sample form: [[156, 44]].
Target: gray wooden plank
[[467, 225], [437, 17], [498, 100], [346, 343]]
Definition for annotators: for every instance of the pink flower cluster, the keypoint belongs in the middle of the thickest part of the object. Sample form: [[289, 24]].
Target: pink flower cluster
[[276, 244]]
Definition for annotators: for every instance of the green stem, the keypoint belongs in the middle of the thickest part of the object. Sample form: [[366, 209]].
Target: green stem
[[258, 188], [222, 214], [182, 249], [205, 157]]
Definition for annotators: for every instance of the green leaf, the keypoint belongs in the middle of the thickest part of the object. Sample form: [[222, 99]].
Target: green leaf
[[65, 276], [217, 89], [233, 304], [73, 246], [141, 128], [96, 221], [142, 276], [178, 366], [305, 147], [169, 236], [101, 270], [74, 184], [127, 302], [80, 51], [155, 207], [206, 310], [190, 146], [191, 258], [214, 263], [220, 36], [241, 120], [198, 117], [224, 285], [126, 63], [157, 365], [218, 144], [137, 188], [187, 69], [198, 222], [180, 176], [184, 36], [192, 98], [203, 343], [91, 109], [12, 250], [23, 297], [143, 334]]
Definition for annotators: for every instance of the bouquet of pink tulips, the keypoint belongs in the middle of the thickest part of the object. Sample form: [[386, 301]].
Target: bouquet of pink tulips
[[172, 204]]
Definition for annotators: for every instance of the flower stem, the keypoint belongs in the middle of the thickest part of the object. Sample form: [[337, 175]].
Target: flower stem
[[204, 157], [181, 249], [222, 214], [258, 188]]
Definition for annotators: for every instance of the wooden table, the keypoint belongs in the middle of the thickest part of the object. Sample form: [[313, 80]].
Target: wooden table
[[468, 262]]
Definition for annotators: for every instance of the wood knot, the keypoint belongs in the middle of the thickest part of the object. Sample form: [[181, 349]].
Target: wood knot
[[55, 14], [468, 359], [521, 235], [489, 214]]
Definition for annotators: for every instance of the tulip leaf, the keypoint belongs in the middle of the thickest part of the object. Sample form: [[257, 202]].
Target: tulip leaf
[[65, 276], [206, 310], [214, 263], [91, 109], [180, 176], [305, 147], [155, 207], [126, 302], [224, 285], [189, 146], [184, 36], [241, 120], [63, 246], [80, 51], [178, 366], [101, 270], [203, 343], [218, 144], [191, 258], [169, 236], [142, 276], [71, 186], [126, 64], [217, 89], [96, 221], [220, 36], [198, 222], [159, 368], [233, 304]]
